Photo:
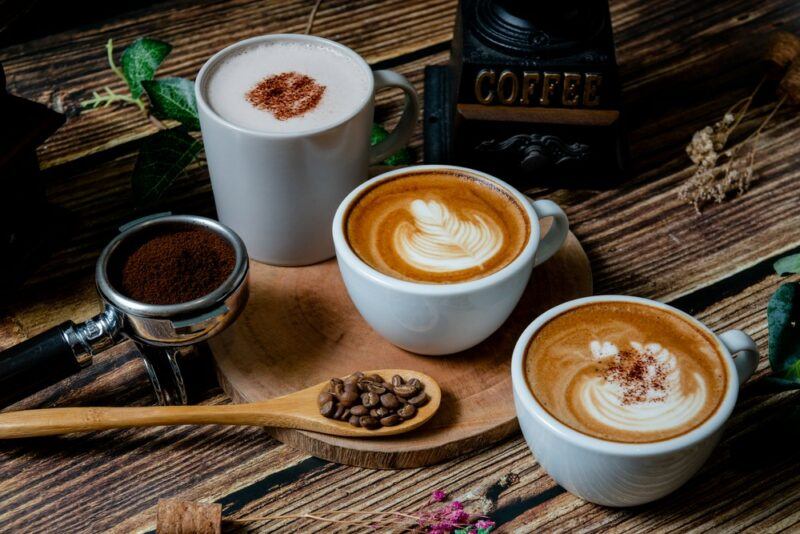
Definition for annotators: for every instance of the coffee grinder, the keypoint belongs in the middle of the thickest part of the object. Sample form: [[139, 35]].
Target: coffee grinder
[[531, 94]]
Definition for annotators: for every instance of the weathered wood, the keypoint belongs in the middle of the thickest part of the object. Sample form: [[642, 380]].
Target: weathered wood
[[62, 70]]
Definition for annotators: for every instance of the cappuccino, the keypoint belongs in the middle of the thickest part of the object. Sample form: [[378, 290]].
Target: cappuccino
[[287, 86], [437, 227], [626, 372]]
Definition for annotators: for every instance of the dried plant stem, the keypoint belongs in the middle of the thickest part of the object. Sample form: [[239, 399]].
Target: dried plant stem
[[746, 105], [327, 512], [312, 16]]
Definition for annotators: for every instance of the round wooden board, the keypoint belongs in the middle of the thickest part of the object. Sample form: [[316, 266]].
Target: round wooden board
[[300, 328]]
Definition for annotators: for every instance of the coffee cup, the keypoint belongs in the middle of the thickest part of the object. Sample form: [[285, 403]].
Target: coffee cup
[[286, 123], [620, 443], [436, 257]]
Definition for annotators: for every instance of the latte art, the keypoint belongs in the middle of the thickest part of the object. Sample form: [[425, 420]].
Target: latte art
[[440, 241], [437, 227], [649, 395], [625, 371]]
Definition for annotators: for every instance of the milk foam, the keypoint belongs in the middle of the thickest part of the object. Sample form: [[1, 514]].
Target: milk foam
[[346, 85], [438, 240], [660, 409]]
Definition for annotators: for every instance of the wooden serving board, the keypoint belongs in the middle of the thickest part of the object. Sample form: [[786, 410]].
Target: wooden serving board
[[300, 328]]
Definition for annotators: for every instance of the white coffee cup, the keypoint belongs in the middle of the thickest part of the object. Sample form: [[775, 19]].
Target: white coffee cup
[[444, 318], [624, 474], [279, 191]]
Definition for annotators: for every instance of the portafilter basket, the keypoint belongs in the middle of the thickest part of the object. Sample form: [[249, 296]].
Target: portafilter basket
[[160, 331]]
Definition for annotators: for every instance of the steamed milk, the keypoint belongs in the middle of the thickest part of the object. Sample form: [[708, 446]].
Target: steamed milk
[[346, 85], [625, 372], [437, 227]]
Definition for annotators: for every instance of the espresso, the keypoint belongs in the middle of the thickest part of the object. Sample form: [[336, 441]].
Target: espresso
[[626, 372], [287, 86], [437, 227]]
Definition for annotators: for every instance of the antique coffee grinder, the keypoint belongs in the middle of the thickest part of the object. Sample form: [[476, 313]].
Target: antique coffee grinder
[[531, 94]]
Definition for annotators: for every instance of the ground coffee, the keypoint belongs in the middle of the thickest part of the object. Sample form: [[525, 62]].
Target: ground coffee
[[170, 267], [286, 95]]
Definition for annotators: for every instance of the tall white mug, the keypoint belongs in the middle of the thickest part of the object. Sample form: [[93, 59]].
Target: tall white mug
[[280, 190]]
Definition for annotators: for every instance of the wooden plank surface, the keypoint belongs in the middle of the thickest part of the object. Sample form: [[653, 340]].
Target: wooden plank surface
[[682, 63]]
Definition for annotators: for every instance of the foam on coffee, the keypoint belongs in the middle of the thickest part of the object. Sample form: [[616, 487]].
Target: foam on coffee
[[627, 372], [345, 85], [437, 227]]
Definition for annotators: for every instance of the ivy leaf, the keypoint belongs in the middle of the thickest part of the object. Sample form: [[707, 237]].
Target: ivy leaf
[[141, 60], [161, 160], [783, 319], [401, 157], [173, 98], [788, 265]]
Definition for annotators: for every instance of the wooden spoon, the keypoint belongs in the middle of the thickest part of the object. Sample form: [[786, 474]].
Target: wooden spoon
[[297, 410]]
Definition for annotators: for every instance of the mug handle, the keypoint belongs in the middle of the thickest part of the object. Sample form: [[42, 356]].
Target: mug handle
[[557, 234], [402, 132], [744, 352]]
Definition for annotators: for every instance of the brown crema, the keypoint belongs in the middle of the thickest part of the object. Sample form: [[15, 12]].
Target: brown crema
[[437, 227], [641, 392]]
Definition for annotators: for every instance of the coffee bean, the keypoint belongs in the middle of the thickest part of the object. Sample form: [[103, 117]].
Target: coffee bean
[[354, 420], [416, 383], [389, 400], [397, 380], [336, 386], [374, 412], [348, 397], [370, 422], [370, 400], [339, 411], [324, 397], [405, 391], [375, 388], [376, 378], [345, 415], [419, 400], [359, 410], [327, 409], [382, 412], [407, 412], [391, 420]]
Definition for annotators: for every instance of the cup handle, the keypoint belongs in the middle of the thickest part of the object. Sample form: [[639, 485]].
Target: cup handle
[[744, 352], [402, 132], [557, 234]]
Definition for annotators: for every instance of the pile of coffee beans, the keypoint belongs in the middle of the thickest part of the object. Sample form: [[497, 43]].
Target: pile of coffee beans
[[371, 402]]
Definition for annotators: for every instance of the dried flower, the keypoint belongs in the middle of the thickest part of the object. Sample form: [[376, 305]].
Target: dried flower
[[438, 496]]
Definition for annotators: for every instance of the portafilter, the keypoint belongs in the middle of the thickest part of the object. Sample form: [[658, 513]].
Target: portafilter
[[160, 331]]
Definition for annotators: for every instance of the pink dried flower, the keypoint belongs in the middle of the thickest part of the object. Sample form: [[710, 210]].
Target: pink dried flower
[[438, 495], [484, 524]]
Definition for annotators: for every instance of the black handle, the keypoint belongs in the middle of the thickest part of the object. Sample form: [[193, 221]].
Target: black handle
[[36, 363]]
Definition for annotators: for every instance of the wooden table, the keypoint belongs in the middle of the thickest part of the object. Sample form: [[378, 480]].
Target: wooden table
[[682, 64]]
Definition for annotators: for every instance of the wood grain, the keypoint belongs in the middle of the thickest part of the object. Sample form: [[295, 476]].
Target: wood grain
[[300, 327]]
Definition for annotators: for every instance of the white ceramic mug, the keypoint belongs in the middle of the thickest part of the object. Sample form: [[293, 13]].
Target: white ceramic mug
[[444, 318], [279, 190], [625, 474]]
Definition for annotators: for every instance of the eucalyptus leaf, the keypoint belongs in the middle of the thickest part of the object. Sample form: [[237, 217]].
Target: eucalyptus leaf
[[783, 318], [161, 160], [141, 60], [788, 265], [173, 98]]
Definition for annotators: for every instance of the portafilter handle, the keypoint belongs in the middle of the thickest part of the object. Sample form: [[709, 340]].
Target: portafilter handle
[[54, 355]]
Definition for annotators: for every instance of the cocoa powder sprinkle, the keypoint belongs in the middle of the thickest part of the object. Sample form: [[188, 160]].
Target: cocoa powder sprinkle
[[286, 95], [638, 374]]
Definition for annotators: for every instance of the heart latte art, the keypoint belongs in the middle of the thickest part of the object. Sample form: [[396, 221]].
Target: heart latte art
[[625, 371], [437, 227]]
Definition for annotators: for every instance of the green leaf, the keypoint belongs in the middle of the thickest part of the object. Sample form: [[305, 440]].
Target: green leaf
[[783, 319], [161, 160], [788, 265], [141, 60], [173, 98], [401, 157]]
